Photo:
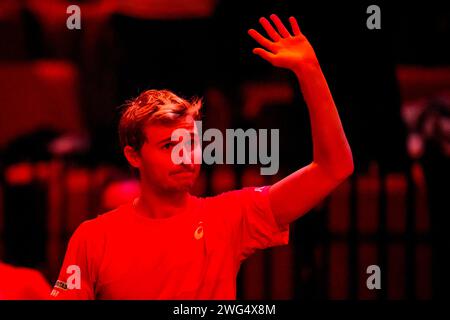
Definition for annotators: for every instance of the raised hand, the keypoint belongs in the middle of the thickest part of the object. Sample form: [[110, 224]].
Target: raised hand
[[284, 50]]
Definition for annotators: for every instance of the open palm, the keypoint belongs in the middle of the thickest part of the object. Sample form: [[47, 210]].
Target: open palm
[[284, 50]]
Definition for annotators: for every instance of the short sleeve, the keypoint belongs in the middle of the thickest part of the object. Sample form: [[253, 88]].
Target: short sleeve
[[76, 279], [257, 228], [37, 287]]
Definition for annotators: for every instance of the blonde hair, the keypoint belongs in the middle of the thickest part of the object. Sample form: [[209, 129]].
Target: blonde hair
[[152, 106]]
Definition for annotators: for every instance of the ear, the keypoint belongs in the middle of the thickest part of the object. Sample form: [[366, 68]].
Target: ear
[[133, 156]]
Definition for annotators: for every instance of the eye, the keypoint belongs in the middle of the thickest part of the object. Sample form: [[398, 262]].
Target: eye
[[167, 146]]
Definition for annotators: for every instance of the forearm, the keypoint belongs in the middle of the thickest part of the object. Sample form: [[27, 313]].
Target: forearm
[[296, 194], [331, 150]]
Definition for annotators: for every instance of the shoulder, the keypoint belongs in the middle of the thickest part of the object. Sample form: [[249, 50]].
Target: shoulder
[[33, 276], [21, 273], [226, 201], [30, 283], [104, 222], [237, 196], [233, 203]]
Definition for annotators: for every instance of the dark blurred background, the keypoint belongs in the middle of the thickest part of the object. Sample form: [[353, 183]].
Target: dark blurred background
[[60, 162]]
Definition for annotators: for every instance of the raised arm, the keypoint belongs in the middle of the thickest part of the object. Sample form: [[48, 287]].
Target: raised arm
[[332, 161]]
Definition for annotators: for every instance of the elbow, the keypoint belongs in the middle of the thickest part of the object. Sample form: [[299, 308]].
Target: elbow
[[349, 169], [339, 169], [346, 170], [347, 166], [342, 170]]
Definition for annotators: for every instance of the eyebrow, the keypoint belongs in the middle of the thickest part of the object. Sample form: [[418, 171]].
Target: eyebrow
[[166, 140], [169, 139]]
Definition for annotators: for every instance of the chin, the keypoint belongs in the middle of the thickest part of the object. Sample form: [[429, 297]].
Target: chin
[[182, 182], [182, 186], [186, 186]]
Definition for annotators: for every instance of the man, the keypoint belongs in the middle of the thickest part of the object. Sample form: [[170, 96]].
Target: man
[[168, 244]]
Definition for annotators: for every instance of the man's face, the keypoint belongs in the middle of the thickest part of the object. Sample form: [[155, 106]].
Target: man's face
[[156, 165]]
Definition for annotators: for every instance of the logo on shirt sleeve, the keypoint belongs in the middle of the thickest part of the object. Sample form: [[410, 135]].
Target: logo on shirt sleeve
[[54, 293], [61, 285], [260, 189]]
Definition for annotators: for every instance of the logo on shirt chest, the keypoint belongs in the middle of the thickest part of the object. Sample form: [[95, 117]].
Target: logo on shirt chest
[[198, 233]]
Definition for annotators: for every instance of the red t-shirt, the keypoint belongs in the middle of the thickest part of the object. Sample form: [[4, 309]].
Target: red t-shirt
[[18, 283], [193, 255]]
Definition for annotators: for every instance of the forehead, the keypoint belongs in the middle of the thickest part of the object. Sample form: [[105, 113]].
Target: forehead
[[155, 132]]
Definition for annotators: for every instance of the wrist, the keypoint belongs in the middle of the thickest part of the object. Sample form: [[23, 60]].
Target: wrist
[[306, 68]]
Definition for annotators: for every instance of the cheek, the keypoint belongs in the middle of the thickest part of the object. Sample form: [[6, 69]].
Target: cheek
[[157, 160]]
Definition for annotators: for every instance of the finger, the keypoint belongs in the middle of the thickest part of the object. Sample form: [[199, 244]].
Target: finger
[[280, 26], [264, 54], [266, 43], [294, 25], [273, 34]]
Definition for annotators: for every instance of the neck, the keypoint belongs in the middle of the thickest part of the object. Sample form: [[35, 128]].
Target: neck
[[159, 204]]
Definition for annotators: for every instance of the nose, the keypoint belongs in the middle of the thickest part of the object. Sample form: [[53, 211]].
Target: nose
[[188, 166], [188, 156], [191, 155]]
